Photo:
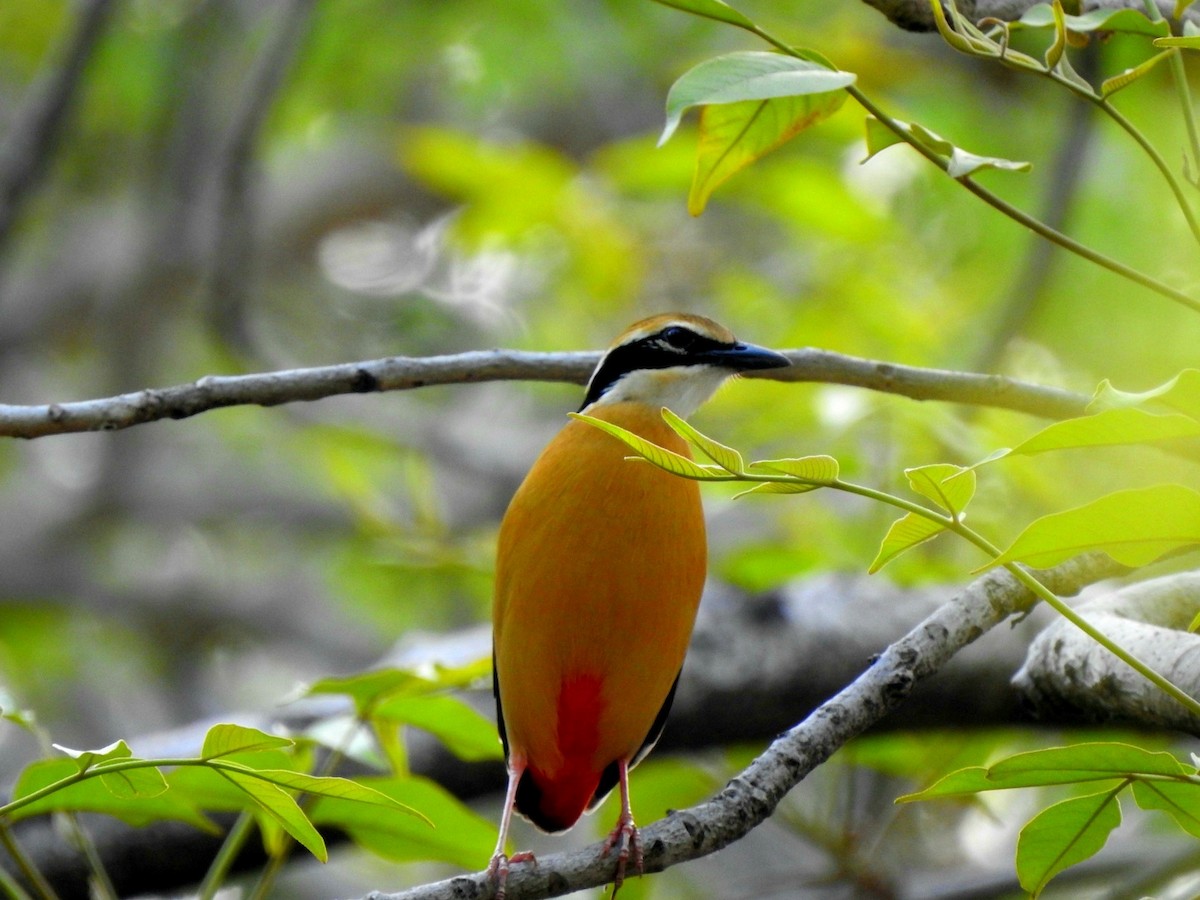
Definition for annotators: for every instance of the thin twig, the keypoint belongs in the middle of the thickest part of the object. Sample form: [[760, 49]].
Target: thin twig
[[399, 373]]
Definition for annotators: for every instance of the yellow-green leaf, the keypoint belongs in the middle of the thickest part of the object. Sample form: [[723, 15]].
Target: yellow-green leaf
[[1111, 85], [1064, 834], [753, 75], [1110, 427], [1179, 799], [278, 805], [820, 469], [905, 533], [226, 739], [734, 135], [130, 783], [710, 9], [466, 733], [1134, 527], [665, 459], [725, 457], [322, 786], [85, 759], [1185, 42], [950, 487], [959, 163], [1181, 394]]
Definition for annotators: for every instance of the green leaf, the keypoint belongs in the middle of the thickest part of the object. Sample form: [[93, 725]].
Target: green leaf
[[665, 459], [905, 533], [279, 806], [1186, 42], [1111, 85], [1181, 394], [710, 9], [1110, 427], [1180, 799], [1076, 764], [821, 469], [464, 731], [226, 739], [92, 795], [725, 457], [752, 75], [321, 786], [1064, 834], [1181, 7], [1130, 21], [1134, 527], [950, 487], [735, 134], [130, 783], [85, 759], [1059, 44], [959, 163], [459, 836]]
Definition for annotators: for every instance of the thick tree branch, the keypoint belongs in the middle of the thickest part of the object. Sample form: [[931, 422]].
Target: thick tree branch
[[751, 797], [1066, 674], [405, 373], [916, 15]]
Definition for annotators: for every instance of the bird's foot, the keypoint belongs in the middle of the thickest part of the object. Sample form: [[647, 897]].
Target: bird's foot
[[626, 841], [497, 870]]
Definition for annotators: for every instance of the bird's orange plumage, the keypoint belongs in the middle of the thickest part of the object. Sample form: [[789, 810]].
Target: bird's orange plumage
[[600, 567]]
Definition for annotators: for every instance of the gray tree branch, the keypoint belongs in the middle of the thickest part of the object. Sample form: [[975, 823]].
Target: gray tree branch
[[405, 373], [1068, 675]]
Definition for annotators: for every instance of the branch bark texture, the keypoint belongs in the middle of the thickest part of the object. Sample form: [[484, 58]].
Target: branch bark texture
[[405, 373]]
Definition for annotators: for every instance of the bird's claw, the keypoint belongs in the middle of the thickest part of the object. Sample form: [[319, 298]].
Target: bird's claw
[[497, 870], [628, 843]]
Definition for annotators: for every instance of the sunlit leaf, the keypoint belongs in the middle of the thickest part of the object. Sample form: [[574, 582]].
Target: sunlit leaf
[[735, 134], [950, 487], [1180, 799], [145, 781], [1110, 427], [464, 731], [459, 836], [91, 795], [959, 163], [1181, 7], [276, 803], [85, 759], [752, 75], [367, 688], [1059, 45], [1186, 42], [819, 468], [1062, 835], [1123, 79], [665, 459], [778, 487], [322, 786], [710, 9], [226, 739], [1181, 394], [725, 457], [905, 533], [1134, 527]]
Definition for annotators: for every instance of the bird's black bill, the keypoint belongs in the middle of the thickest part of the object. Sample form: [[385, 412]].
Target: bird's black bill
[[743, 357]]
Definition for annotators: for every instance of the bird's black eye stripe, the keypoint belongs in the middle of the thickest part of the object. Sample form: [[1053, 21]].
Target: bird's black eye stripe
[[673, 346]]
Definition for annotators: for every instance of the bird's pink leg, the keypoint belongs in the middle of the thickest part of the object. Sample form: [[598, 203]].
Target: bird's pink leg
[[625, 836], [497, 869]]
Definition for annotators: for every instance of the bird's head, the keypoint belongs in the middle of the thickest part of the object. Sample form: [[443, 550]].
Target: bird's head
[[674, 360]]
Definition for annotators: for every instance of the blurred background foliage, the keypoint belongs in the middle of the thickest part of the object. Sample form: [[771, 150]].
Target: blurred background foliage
[[431, 177]]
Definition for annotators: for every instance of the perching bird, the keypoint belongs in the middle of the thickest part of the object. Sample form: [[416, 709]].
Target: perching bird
[[599, 570]]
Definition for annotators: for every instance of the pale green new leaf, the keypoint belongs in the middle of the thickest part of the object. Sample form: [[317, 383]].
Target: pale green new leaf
[[1059, 44], [369, 688], [905, 533], [276, 803], [751, 75], [665, 459], [1180, 799], [1064, 834], [1123, 79], [1126, 20], [1181, 394], [131, 783], [778, 487], [85, 759], [1181, 7], [820, 469], [321, 786], [1134, 527], [950, 487], [226, 739], [725, 457], [959, 163], [1186, 42], [734, 135], [710, 9], [466, 733], [1110, 427]]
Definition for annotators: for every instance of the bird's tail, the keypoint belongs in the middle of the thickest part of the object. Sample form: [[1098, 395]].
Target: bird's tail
[[555, 804]]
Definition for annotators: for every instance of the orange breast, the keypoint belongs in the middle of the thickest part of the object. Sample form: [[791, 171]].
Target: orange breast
[[600, 567]]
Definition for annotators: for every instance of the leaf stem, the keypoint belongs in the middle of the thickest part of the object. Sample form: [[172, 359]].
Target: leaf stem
[[222, 863], [31, 872]]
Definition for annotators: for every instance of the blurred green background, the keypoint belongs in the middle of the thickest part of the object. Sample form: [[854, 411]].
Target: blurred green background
[[439, 176]]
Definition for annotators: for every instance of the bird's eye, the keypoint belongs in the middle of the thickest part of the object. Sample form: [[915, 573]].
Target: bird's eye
[[677, 338]]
